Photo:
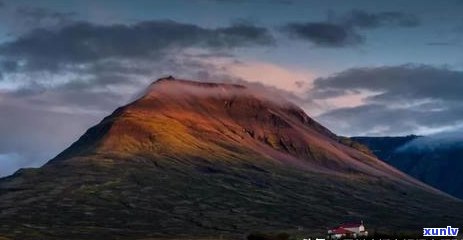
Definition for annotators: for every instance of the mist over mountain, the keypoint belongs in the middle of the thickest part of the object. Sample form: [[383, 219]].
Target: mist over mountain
[[438, 141], [192, 159], [435, 159], [384, 147]]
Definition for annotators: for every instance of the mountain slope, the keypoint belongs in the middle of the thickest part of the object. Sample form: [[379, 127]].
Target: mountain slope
[[433, 161], [192, 159]]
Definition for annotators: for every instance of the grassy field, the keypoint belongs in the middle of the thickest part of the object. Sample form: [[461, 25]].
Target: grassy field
[[162, 200]]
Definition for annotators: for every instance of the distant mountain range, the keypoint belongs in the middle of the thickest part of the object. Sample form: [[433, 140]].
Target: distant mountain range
[[437, 161], [192, 160], [384, 147]]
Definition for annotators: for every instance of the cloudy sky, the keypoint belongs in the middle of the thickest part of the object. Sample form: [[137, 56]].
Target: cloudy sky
[[359, 67]]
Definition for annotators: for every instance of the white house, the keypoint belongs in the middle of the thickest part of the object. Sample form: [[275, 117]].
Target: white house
[[348, 230]]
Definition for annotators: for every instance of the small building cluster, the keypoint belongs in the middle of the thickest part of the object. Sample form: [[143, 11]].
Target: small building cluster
[[348, 230]]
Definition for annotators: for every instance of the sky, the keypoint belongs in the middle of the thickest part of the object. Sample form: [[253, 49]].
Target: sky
[[360, 67]]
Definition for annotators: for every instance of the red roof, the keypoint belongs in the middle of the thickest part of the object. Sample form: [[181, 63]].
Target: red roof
[[340, 230]]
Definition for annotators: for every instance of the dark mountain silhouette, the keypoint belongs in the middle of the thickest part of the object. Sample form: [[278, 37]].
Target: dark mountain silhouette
[[191, 159], [384, 147], [437, 162]]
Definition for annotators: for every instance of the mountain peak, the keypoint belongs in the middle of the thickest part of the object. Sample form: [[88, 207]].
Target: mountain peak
[[172, 81], [174, 90]]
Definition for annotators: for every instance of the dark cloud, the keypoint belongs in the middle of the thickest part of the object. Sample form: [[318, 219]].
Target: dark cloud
[[396, 83], [406, 99], [20, 20], [2, 4], [324, 34], [344, 31], [41, 17], [86, 42], [363, 19], [9, 66]]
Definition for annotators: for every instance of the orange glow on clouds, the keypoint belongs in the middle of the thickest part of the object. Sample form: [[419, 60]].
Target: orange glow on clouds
[[292, 80]]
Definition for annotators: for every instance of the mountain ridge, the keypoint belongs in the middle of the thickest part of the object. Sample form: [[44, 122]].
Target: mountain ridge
[[437, 165]]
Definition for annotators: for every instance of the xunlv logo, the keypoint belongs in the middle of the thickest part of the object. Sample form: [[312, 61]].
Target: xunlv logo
[[449, 231]]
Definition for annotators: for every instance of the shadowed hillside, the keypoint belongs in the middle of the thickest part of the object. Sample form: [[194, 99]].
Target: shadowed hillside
[[437, 162]]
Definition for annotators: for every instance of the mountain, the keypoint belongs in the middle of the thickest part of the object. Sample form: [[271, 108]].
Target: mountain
[[192, 160], [384, 147], [435, 161]]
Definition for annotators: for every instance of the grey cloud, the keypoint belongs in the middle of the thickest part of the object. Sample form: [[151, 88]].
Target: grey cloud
[[432, 142], [406, 99], [344, 31], [20, 20], [99, 76], [8, 66], [380, 120], [363, 19], [67, 98], [396, 83], [84, 42], [41, 17], [324, 34]]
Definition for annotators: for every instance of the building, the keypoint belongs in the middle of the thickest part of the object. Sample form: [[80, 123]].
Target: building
[[348, 230]]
